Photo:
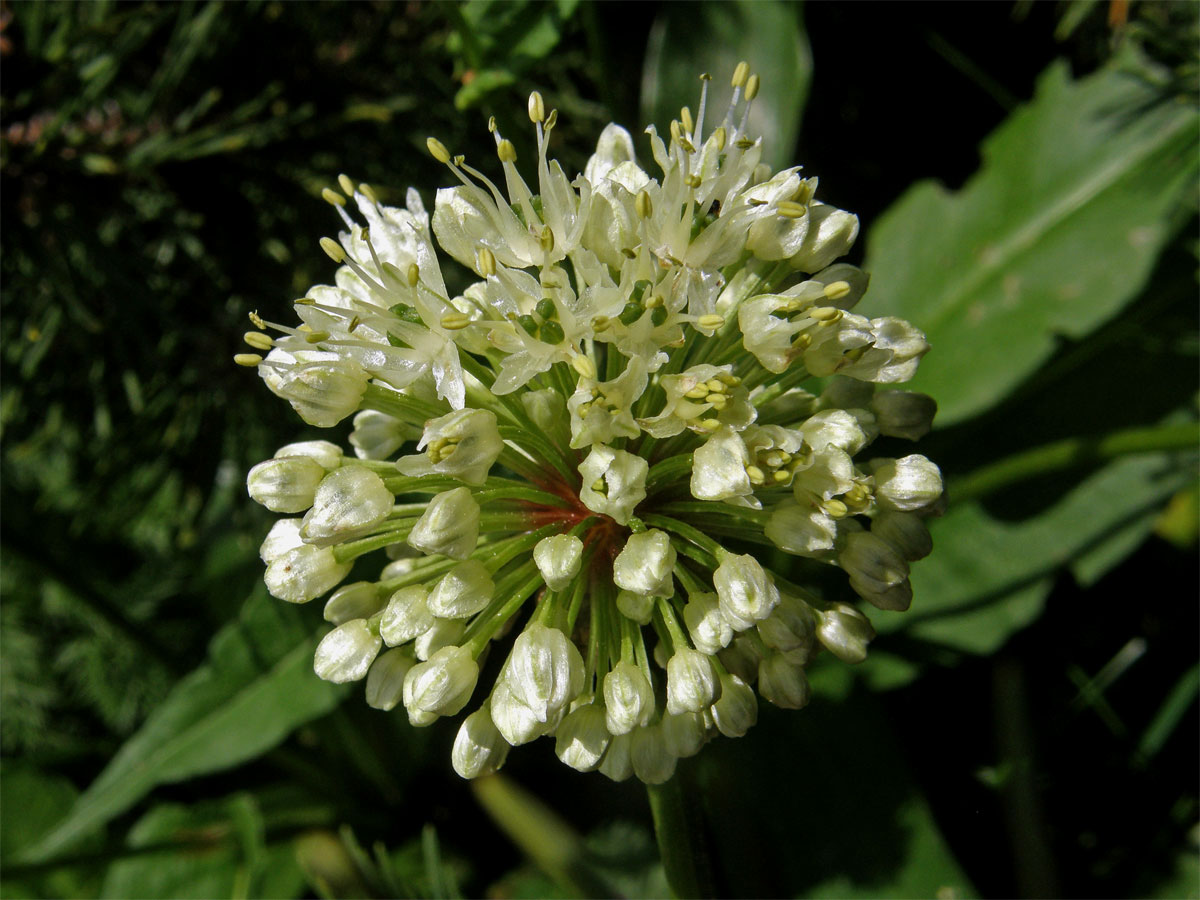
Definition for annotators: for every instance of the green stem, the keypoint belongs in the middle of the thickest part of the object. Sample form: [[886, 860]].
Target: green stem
[[684, 859], [1072, 453], [667, 470]]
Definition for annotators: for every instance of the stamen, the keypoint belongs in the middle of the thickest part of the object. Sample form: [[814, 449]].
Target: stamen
[[835, 290], [333, 198], [346, 185], [643, 205], [437, 150], [537, 108], [333, 250], [790, 209], [485, 262], [710, 321], [258, 340], [740, 73], [249, 360], [454, 321], [584, 366]]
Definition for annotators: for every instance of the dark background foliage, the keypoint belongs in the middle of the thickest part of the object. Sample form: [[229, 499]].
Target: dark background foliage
[[160, 173]]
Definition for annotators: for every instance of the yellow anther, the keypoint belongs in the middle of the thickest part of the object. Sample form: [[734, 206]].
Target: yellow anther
[[709, 424], [710, 322], [744, 143], [315, 337], [459, 160], [697, 393], [485, 262], [546, 239], [537, 108], [857, 495], [369, 192], [448, 451], [802, 342], [781, 477], [856, 353], [506, 151], [731, 380], [835, 508], [257, 321], [455, 321], [584, 366], [303, 301], [757, 475], [825, 313], [414, 274], [752, 87], [332, 197], [689, 124], [249, 360], [551, 119], [354, 323], [740, 74], [346, 185], [599, 486], [720, 136], [693, 180], [790, 209], [642, 205], [715, 386], [437, 150], [333, 249], [717, 400], [584, 409], [676, 134], [258, 340], [601, 323], [491, 125], [836, 290]]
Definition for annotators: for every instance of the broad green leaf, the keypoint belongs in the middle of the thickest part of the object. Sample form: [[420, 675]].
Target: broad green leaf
[[988, 577], [688, 39], [219, 851], [257, 686], [1052, 237]]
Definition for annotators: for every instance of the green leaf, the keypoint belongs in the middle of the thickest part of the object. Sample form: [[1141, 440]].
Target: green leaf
[[257, 686], [688, 39], [208, 850], [1053, 236], [989, 577]]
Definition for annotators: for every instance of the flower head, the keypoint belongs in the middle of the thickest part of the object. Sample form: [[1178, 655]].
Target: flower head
[[654, 375]]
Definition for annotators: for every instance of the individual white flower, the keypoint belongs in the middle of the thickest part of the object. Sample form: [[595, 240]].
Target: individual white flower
[[479, 748], [907, 484], [285, 485], [346, 653], [737, 709], [614, 482], [463, 591], [463, 444], [692, 682], [304, 573], [645, 564], [582, 737], [377, 435], [745, 591], [441, 686], [348, 501], [406, 615], [360, 600], [628, 698], [544, 671], [385, 680], [558, 558], [325, 453]]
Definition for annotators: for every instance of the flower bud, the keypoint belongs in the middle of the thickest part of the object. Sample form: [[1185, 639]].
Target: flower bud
[[684, 734], [515, 720], [463, 591], [449, 525], [645, 564], [443, 633], [441, 686], [360, 600], [742, 657], [463, 444], [709, 628], [692, 682], [285, 485], [834, 428], [621, 478], [304, 573], [638, 607], [617, 764], [737, 710], [831, 232], [325, 453], [283, 536], [906, 484], [349, 501], [719, 467], [406, 615], [782, 682], [479, 748], [906, 532], [746, 592], [323, 391], [558, 558], [653, 762], [346, 653], [844, 632], [904, 414], [628, 698], [582, 738], [544, 671], [878, 573], [790, 626], [377, 435], [545, 407], [385, 680]]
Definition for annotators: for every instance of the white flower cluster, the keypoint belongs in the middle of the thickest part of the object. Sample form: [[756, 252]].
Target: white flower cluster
[[648, 376]]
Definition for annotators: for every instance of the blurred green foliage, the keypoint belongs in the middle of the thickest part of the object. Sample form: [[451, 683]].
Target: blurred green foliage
[[1029, 728]]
